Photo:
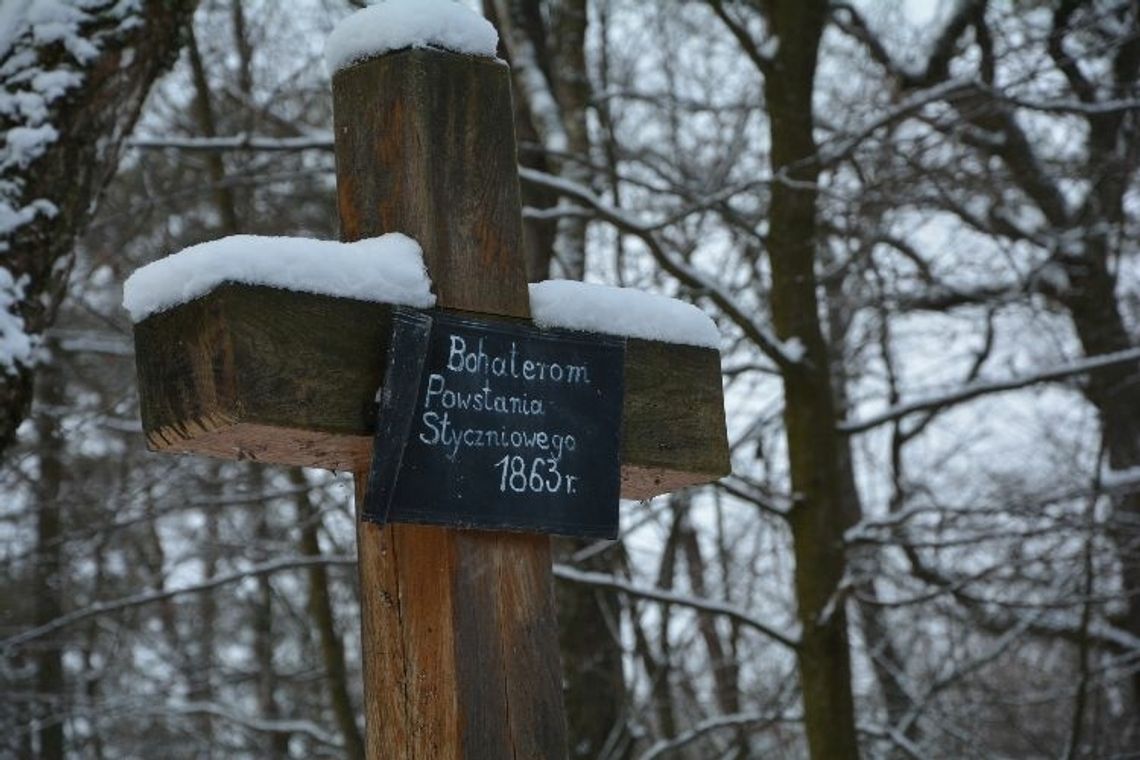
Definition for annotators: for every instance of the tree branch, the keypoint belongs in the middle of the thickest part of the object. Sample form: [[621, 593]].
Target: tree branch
[[261, 725], [937, 68], [736, 720], [688, 275], [759, 58], [1056, 45], [974, 390], [242, 142], [740, 616], [150, 597]]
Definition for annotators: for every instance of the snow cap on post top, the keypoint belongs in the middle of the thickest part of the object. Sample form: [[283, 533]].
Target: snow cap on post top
[[398, 24]]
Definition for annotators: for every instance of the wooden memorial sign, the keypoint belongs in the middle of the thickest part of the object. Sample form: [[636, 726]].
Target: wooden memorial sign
[[498, 425], [458, 629]]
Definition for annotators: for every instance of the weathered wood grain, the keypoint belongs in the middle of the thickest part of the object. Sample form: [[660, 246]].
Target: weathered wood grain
[[250, 372], [425, 145], [524, 607], [391, 726], [267, 358], [673, 427], [449, 625]]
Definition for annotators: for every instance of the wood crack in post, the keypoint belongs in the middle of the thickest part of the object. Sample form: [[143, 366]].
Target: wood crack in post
[[504, 653], [398, 604]]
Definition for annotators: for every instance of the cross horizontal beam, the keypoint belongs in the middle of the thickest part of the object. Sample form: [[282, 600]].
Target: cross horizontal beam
[[258, 373]]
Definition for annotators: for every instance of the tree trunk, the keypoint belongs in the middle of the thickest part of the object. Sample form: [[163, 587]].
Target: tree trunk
[[49, 566], [571, 85], [201, 662], [223, 194], [321, 614], [276, 743], [47, 193], [1094, 306], [1115, 392], [887, 661], [552, 85], [817, 517]]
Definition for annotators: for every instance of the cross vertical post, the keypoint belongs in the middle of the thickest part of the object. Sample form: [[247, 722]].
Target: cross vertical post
[[459, 630]]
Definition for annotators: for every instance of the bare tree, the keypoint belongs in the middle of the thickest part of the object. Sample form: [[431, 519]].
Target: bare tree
[[1062, 213]]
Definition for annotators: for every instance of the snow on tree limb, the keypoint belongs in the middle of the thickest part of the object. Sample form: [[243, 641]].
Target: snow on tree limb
[[150, 597], [737, 720], [564, 572], [603, 580], [237, 716], [834, 152], [316, 141], [683, 271], [17, 348], [971, 391]]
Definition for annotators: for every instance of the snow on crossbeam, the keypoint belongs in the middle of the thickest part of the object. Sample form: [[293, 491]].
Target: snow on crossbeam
[[620, 311], [388, 269], [399, 24]]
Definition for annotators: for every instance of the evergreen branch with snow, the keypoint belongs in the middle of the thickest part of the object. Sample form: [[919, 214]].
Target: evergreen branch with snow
[[73, 78]]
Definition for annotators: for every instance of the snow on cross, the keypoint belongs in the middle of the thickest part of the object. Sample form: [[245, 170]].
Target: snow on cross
[[275, 349], [620, 311], [390, 269], [398, 24]]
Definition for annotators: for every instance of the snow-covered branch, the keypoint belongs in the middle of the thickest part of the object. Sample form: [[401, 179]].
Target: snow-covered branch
[[242, 142], [838, 150], [93, 342], [972, 391], [1120, 480], [561, 211], [150, 597], [602, 580], [261, 725], [1068, 106], [775, 349], [736, 720]]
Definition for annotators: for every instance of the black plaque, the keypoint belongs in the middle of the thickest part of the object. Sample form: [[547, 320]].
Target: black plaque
[[498, 425]]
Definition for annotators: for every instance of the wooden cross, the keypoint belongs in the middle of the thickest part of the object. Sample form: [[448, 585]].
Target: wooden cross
[[459, 631]]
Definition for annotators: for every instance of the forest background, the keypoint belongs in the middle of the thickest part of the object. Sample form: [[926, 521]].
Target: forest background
[[917, 226]]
